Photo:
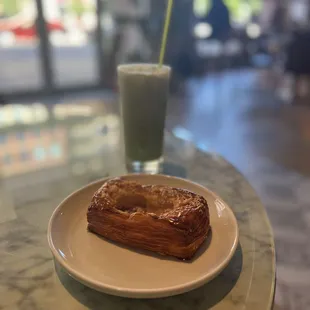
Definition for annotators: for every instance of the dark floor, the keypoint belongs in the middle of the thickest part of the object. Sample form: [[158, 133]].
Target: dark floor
[[239, 116]]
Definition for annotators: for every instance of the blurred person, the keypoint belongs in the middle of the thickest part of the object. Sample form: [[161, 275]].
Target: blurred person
[[266, 16], [279, 19], [181, 50], [298, 61], [278, 31], [125, 30], [298, 51], [219, 18], [130, 17]]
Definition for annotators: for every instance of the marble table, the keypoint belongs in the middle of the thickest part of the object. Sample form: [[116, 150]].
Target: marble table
[[49, 151]]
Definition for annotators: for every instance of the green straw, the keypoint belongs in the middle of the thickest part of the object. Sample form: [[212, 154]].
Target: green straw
[[165, 33]]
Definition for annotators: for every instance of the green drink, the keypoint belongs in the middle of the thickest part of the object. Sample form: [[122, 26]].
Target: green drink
[[144, 90]]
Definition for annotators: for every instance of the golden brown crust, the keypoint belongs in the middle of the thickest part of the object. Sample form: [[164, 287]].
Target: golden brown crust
[[166, 220]]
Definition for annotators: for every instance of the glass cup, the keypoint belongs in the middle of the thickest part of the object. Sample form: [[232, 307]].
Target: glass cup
[[144, 91]]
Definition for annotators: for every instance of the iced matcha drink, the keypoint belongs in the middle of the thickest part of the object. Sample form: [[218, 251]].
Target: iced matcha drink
[[144, 92]]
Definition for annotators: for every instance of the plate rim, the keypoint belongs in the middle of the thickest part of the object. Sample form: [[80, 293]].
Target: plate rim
[[138, 293]]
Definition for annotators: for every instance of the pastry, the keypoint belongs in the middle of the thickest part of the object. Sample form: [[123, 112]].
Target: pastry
[[165, 220]]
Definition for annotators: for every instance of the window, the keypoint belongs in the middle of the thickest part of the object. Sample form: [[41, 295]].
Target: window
[[19, 50]]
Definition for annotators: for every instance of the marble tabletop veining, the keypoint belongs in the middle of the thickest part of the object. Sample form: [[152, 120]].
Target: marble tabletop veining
[[29, 278]]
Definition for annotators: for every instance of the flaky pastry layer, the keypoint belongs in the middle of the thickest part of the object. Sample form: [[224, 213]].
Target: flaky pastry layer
[[165, 220]]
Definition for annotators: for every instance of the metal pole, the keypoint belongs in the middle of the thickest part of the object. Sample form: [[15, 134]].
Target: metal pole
[[99, 42], [45, 48]]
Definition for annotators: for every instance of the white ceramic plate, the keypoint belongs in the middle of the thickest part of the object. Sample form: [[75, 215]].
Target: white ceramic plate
[[122, 271]]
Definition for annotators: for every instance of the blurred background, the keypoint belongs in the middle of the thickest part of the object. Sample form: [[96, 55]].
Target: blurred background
[[65, 45], [240, 88]]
